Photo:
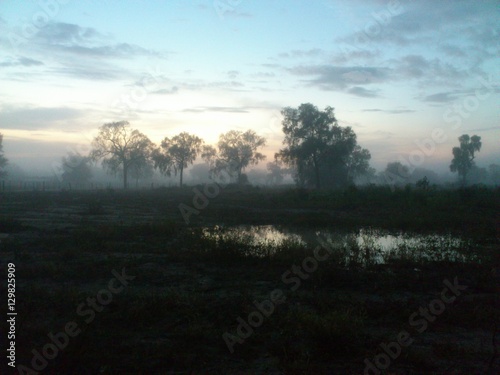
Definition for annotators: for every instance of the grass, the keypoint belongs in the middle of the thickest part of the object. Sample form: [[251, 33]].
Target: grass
[[190, 289]]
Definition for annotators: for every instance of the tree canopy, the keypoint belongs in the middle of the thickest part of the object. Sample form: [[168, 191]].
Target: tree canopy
[[120, 147], [177, 153], [463, 156], [76, 170], [321, 152], [236, 151]]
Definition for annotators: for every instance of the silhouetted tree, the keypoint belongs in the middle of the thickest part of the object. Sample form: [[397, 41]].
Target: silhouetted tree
[[463, 156], [276, 172], [3, 159], [209, 154], [358, 162], [120, 147], [76, 170], [320, 151], [178, 152], [423, 184], [142, 167], [395, 173], [237, 150]]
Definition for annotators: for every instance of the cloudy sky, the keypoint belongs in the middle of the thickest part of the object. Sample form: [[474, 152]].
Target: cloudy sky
[[408, 76]]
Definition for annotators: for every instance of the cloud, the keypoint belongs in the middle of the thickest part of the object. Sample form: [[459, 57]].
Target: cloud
[[296, 53], [329, 77], [69, 49], [391, 111], [416, 66], [362, 92], [29, 118], [453, 51], [350, 55], [232, 74], [236, 14], [485, 129], [104, 72], [472, 25], [216, 109], [21, 61], [441, 97], [81, 41], [173, 90], [263, 75]]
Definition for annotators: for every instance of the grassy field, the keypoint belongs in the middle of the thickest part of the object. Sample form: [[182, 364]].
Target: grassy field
[[114, 282]]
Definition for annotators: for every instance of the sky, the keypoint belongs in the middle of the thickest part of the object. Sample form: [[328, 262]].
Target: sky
[[408, 76]]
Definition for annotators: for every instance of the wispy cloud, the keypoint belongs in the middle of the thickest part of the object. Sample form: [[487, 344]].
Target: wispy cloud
[[217, 109], [84, 41], [171, 91], [20, 61], [296, 53], [441, 97], [390, 111], [362, 92], [329, 77], [33, 118]]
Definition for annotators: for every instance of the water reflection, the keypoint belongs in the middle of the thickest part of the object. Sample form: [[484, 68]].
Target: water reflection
[[366, 245]]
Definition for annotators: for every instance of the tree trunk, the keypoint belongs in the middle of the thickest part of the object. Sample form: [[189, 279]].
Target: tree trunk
[[182, 170], [125, 171], [316, 173]]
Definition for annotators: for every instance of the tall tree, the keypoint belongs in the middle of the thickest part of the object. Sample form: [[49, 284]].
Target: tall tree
[[3, 159], [463, 156], [237, 150], [320, 151], [119, 147], [358, 163], [75, 170], [276, 172], [142, 167], [178, 152]]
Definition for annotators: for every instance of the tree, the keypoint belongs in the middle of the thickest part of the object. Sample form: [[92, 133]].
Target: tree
[[396, 173], [178, 152], [320, 151], [3, 159], [119, 147], [237, 150], [463, 156], [209, 154], [75, 170], [141, 167], [276, 173], [358, 163]]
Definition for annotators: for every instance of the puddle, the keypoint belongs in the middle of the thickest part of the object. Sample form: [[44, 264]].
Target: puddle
[[365, 245]]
